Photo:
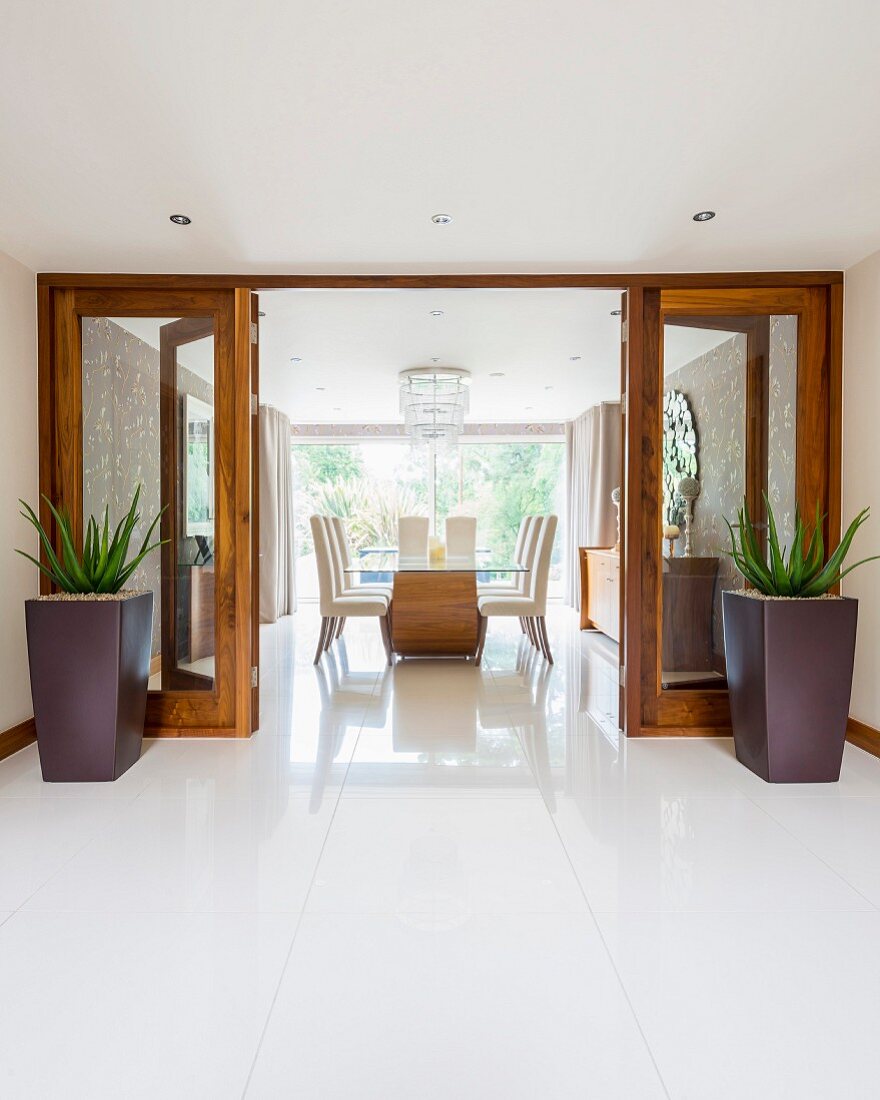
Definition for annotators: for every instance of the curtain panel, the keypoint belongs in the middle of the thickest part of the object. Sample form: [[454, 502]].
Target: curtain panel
[[592, 467], [277, 565]]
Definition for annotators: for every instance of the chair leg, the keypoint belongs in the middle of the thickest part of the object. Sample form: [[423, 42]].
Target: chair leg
[[331, 634], [322, 634], [530, 630], [481, 639], [385, 631], [340, 627], [542, 627], [522, 624]]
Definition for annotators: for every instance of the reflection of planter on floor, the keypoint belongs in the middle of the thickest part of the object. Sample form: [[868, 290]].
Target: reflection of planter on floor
[[789, 671], [90, 664]]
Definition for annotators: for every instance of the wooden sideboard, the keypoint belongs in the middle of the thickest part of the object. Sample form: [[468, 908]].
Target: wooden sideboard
[[600, 590], [688, 600]]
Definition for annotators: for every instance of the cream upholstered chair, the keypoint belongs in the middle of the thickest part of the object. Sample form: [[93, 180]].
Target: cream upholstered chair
[[461, 536], [335, 605], [412, 536], [523, 554], [531, 607], [340, 558], [344, 559]]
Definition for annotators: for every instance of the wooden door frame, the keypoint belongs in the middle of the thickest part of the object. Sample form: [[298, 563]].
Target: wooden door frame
[[640, 357], [225, 711], [817, 474]]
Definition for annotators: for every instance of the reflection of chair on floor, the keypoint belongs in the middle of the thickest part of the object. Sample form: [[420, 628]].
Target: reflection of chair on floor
[[348, 701], [523, 703]]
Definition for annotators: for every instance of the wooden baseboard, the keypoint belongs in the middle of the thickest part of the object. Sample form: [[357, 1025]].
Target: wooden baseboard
[[864, 736], [17, 737]]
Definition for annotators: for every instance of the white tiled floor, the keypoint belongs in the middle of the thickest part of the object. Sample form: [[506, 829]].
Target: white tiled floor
[[439, 882]]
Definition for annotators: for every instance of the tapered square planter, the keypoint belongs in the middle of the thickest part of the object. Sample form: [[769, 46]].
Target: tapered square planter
[[90, 664], [789, 670]]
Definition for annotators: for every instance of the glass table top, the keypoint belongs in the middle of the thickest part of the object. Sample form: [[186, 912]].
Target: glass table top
[[382, 561]]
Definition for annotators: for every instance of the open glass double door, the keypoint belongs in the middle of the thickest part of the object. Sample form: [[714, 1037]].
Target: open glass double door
[[728, 401], [151, 390]]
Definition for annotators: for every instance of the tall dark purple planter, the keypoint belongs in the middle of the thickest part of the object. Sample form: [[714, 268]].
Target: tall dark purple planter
[[90, 664], [789, 670]]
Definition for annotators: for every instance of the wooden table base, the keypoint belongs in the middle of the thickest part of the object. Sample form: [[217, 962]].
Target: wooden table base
[[434, 614]]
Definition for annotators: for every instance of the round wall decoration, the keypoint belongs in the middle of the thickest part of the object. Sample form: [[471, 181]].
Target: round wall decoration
[[679, 450]]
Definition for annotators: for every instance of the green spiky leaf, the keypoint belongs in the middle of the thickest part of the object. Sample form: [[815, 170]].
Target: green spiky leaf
[[796, 572]]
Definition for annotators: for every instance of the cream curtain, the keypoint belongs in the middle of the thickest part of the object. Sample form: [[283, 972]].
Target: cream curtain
[[593, 456], [277, 567]]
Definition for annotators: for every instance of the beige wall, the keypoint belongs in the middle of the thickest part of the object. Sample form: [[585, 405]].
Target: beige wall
[[861, 471], [18, 478]]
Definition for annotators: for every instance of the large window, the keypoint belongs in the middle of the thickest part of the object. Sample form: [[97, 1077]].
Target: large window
[[371, 483]]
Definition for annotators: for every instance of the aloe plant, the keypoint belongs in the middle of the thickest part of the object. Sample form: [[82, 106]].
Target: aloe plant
[[102, 566], [801, 571]]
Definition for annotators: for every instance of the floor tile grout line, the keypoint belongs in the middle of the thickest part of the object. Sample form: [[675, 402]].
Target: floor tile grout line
[[803, 844], [91, 840], [597, 927], [302, 912]]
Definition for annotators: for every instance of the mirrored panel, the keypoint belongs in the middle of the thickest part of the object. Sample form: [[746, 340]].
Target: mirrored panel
[[148, 421], [728, 435]]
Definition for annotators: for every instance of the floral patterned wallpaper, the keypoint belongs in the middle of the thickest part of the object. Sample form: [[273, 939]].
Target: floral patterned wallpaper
[[715, 385], [783, 413], [121, 446], [398, 431]]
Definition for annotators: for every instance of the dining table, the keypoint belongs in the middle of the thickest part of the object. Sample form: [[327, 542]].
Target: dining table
[[433, 609]]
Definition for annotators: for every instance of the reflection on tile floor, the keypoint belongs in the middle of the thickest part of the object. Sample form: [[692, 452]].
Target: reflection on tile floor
[[439, 881]]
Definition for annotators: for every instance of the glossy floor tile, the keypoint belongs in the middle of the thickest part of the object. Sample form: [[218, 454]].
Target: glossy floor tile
[[508, 1007], [431, 880]]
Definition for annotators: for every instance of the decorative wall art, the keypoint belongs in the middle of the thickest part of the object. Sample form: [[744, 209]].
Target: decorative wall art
[[680, 451]]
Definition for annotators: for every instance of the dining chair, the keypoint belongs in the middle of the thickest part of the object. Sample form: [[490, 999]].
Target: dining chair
[[412, 536], [523, 554], [335, 604], [461, 536], [340, 557], [531, 607]]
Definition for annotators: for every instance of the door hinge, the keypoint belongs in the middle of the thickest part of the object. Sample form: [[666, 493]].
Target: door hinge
[[255, 677], [255, 332], [624, 330], [623, 402], [622, 675], [255, 405]]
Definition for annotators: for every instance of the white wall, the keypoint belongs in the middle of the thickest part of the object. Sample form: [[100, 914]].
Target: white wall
[[18, 478], [861, 472]]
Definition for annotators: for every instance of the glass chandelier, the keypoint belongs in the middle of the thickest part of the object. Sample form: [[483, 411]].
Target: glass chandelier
[[434, 401]]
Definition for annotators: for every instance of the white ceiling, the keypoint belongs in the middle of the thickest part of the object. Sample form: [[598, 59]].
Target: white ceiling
[[353, 343], [565, 135], [197, 356], [682, 345]]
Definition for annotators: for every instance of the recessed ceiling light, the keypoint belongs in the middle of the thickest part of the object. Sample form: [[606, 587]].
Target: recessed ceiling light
[[180, 219], [548, 387], [704, 216], [261, 313], [574, 358], [296, 359], [320, 389], [436, 312], [616, 312], [529, 408], [435, 358], [496, 374], [441, 219], [337, 408]]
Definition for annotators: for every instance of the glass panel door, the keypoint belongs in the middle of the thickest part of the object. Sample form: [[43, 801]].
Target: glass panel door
[[728, 436], [149, 424]]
